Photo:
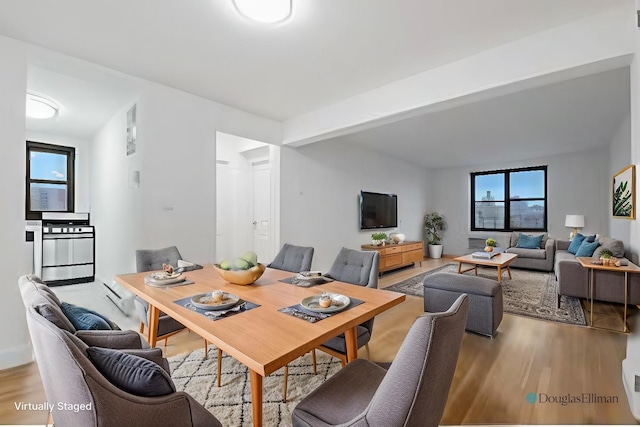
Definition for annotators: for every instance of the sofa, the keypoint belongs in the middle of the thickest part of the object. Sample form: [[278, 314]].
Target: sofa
[[74, 366], [533, 259], [573, 279]]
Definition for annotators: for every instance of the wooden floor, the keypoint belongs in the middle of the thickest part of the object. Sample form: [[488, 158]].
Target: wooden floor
[[492, 379]]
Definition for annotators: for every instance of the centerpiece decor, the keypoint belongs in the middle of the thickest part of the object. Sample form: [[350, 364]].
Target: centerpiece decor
[[378, 239], [490, 243]]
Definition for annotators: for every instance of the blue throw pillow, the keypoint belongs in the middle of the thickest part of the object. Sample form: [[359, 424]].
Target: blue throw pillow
[[587, 248], [84, 319], [133, 374], [590, 239], [575, 243], [529, 242]]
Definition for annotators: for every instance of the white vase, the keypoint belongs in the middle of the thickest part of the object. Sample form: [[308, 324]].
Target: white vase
[[435, 251], [377, 242]]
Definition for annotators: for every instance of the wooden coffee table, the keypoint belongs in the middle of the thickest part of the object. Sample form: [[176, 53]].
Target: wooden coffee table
[[500, 261]]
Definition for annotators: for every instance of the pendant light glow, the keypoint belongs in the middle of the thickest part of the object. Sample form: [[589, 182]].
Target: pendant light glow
[[39, 107], [265, 11]]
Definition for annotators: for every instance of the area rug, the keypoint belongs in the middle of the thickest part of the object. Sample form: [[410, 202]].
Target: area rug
[[528, 293], [231, 403]]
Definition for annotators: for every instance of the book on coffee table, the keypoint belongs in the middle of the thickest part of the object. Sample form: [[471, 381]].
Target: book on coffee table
[[487, 255]]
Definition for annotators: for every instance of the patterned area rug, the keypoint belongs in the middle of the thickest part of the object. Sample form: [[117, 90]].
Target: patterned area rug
[[231, 403], [529, 293]]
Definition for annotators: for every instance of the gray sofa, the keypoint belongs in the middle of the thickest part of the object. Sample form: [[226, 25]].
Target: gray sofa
[[70, 377], [533, 259], [573, 279]]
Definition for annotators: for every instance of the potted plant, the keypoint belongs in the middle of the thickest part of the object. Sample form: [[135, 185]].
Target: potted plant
[[378, 238], [490, 243], [605, 256], [433, 227]]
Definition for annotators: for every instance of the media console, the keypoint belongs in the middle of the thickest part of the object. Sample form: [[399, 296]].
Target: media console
[[397, 255]]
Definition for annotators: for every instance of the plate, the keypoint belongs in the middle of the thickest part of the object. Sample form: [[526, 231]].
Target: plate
[[338, 303], [309, 274], [162, 275], [205, 302]]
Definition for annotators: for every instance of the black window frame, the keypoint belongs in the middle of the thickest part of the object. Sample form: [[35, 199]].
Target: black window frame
[[507, 201], [41, 147]]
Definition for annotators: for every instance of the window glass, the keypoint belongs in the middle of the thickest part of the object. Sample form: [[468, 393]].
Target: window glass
[[527, 215], [526, 184], [49, 166], [489, 187], [489, 215], [48, 197]]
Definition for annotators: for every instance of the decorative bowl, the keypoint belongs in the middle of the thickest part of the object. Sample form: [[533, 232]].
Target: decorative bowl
[[241, 277]]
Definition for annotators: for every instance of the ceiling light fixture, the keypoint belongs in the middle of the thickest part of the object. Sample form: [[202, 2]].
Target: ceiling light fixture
[[40, 107], [265, 11]]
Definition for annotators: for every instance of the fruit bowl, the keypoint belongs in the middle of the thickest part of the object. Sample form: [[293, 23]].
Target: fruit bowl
[[241, 277]]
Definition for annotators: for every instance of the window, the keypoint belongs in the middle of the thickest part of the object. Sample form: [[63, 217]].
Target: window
[[50, 179], [510, 199]]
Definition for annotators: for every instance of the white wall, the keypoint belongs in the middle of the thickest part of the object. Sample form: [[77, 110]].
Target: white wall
[[578, 183], [619, 157], [15, 348], [319, 196]]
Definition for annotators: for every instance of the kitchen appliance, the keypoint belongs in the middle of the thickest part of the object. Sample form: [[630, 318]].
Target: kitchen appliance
[[65, 252]]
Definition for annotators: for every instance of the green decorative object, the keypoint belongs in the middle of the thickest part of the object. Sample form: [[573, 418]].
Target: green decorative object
[[434, 225]]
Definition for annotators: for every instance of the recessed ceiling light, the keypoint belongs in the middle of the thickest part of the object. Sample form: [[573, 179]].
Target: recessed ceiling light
[[265, 11], [40, 107]]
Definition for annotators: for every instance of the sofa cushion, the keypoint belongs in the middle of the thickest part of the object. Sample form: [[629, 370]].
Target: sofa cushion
[[529, 242], [528, 253], [575, 243], [587, 248], [84, 319], [133, 374], [515, 237], [54, 315], [614, 245]]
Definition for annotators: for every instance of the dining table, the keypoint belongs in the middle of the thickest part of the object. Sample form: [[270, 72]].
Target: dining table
[[262, 338]]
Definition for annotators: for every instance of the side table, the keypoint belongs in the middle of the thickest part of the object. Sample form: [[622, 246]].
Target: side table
[[587, 262]]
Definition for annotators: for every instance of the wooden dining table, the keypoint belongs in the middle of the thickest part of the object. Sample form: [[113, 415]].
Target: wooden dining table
[[263, 339]]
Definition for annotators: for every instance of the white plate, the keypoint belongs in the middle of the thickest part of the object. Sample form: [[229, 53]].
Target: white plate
[[205, 302], [162, 275], [338, 303]]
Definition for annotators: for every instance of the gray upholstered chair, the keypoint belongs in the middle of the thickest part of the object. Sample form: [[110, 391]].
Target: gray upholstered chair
[[293, 258], [411, 393], [359, 268], [69, 376]]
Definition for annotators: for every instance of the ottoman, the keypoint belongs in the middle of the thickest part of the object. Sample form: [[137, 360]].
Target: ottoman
[[485, 299]]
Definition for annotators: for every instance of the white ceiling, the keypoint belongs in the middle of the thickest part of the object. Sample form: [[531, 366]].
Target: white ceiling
[[330, 50]]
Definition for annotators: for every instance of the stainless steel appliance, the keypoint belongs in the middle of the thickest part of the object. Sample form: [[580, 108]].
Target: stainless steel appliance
[[66, 249]]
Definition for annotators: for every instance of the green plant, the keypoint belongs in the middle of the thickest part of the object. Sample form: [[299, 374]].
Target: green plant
[[606, 254], [490, 242], [379, 236], [433, 227]]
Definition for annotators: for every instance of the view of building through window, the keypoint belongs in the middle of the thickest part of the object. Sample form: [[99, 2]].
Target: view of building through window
[[512, 199]]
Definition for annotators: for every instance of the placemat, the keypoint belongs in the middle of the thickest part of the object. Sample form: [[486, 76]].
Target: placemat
[[241, 307], [311, 316], [305, 283]]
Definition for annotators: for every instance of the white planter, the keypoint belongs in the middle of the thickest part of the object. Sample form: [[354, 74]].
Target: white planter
[[435, 251]]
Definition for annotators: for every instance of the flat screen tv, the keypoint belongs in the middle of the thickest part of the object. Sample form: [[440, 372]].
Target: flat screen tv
[[378, 210]]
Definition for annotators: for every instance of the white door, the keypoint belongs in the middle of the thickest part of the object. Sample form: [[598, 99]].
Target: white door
[[226, 210], [262, 211]]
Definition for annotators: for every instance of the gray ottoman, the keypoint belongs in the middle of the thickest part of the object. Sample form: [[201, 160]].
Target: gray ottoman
[[485, 299]]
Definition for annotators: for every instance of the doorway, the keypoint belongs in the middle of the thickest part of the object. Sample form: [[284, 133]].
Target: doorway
[[246, 197]]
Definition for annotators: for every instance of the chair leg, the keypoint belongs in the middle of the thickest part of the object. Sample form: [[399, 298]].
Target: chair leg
[[141, 328], [206, 349], [284, 386], [219, 366], [343, 360], [165, 341], [368, 353], [313, 356]]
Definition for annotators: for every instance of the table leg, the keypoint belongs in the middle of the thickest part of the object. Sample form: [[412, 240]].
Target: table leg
[[509, 271], [154, 314], [459, 267], [591, 296], [499, 274], [626, 291], [256, 397], [351, 338]]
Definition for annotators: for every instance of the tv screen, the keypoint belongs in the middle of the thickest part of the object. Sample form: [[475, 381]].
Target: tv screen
[[378, 210]]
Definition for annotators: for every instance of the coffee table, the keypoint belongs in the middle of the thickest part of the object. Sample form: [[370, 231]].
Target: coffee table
[[500, 261]]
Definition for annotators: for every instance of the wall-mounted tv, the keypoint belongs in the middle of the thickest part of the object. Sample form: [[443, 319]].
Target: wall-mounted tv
[[378, 210]]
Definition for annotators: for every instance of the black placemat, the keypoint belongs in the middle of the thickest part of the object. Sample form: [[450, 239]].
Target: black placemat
[[300, 312], [307, 282], [217, 314]]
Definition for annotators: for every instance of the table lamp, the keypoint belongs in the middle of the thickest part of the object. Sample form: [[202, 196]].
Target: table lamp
[[575, 221]]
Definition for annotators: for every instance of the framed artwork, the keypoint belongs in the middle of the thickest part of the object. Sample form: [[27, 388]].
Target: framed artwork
[[131, 130], [624, 193]]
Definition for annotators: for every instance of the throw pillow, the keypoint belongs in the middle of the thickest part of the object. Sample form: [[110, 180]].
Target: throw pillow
[[575, 243], [590, 239], [84, 319], [587, 248], [55, 316], [529, 242], [130, 373]]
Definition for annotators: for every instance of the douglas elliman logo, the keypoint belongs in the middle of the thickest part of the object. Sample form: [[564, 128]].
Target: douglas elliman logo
[[568, 399]]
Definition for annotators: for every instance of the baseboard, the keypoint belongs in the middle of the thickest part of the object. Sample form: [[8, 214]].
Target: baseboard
[[16, 356]]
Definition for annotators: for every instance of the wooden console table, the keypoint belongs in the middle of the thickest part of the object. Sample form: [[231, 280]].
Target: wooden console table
[[587, 262], [396, 255]]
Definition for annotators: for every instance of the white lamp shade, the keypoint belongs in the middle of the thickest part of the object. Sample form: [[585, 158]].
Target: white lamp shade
[[575, 221]]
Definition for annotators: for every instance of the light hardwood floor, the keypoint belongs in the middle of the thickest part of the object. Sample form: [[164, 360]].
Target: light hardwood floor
[[492, 379]]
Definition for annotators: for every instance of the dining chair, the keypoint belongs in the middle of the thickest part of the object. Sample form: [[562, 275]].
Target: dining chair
[[293, 258], [411, 392], [151, 260]]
